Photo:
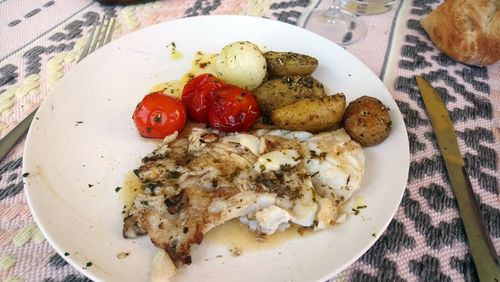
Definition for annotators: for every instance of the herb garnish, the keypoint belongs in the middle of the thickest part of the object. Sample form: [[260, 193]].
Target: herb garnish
[[356, 210], [262, 167], [314, 174], [174, 174], [118, 188], [157, 118]]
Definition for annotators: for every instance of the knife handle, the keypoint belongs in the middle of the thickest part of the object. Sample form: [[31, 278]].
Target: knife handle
[[11, 138], [481, 247]]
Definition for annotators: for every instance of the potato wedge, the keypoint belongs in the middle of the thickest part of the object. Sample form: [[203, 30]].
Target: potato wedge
[[367, 121], [279, 92], [311, 115], [289, 63]]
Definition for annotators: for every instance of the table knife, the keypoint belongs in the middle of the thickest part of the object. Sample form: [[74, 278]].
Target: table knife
[[11, 138], [482, 249]]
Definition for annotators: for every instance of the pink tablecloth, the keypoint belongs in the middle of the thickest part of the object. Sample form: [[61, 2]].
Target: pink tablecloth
[[40, 41]]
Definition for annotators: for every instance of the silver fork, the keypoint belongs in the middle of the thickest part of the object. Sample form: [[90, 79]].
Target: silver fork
[[96, 40], [104, 34]]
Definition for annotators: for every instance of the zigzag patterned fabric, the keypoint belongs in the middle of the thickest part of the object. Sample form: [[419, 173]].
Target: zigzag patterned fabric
[[41, 40]]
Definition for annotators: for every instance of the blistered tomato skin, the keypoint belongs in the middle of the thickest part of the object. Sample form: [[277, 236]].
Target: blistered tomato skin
[[197, 95], [233, 109], [159, 115]]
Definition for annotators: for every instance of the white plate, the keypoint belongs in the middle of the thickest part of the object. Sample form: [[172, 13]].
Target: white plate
[[64, 157]]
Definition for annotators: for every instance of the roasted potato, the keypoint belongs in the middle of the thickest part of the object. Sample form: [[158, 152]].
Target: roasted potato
[[367, 121], [311, 115], [289, 63], [279, 92]]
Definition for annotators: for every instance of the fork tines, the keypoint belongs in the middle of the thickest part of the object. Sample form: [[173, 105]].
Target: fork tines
[[100, 34]]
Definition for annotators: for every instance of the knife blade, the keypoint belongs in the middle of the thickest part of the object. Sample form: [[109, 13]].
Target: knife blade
[[482, 249]]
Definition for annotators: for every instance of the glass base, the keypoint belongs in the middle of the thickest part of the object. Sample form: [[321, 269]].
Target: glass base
[[339, 26], [363, 7]]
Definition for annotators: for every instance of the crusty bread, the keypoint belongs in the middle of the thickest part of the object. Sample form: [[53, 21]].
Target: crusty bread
[[466, 30]]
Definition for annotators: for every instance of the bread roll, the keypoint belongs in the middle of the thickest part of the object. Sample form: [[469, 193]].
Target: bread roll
[[466, 30]]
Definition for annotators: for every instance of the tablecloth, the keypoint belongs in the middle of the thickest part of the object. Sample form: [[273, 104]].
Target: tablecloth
[[40, 40]]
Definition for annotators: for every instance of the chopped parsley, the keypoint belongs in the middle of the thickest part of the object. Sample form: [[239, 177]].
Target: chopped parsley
[[356, 211], [118, 189], [66, 254], [90, 185], [26, 174], [157, 118]]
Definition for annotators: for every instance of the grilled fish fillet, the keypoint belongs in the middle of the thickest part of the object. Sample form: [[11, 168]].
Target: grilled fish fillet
[[267, 179]]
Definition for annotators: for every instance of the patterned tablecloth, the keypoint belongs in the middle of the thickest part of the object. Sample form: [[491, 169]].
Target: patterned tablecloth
[[40, 40]]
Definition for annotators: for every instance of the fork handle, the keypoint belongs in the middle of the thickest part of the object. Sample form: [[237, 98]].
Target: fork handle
[[120, 2], [11, 138]]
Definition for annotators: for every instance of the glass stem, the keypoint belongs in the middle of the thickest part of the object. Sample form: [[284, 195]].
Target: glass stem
[[335, 5], [333, 10]]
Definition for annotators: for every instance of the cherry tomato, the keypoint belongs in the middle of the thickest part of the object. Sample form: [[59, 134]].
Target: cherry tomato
[[196, 96], [233, 109], [159, 115]]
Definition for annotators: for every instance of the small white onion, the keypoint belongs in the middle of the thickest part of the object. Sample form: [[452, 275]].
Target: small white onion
[[242, 64]]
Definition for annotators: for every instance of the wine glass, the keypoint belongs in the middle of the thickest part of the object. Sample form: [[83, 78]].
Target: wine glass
[[336, 24]]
